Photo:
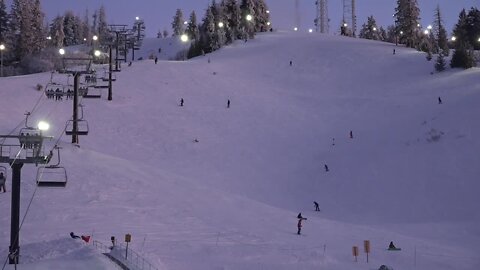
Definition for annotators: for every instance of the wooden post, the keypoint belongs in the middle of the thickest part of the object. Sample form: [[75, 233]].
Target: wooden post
[[366, 246], [355, 252], [128, 238]]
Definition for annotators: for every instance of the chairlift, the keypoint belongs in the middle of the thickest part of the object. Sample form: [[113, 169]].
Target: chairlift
[[93, 93], [54, 91], [81, 130], [30, 137], [106, 78], [82, 125], [52, 175]]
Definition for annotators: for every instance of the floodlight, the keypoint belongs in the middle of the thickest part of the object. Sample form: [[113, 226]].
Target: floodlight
[[43, 126]]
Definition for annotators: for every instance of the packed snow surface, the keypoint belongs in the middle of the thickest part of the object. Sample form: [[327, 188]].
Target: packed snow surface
[[203, 186]]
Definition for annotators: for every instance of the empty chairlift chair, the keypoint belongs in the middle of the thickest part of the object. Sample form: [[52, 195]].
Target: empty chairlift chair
[[52, 175], [82, 125]]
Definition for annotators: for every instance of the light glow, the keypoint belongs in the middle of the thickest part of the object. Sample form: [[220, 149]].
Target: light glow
[[43, 126]]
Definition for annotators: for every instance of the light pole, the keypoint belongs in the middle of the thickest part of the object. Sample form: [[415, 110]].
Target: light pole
[[184, 39], [2, 47]]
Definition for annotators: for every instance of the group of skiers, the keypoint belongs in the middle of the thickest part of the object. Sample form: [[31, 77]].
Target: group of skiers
[[182, 101]]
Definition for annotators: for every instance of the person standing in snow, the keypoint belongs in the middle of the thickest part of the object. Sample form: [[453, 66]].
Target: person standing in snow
[[299, 224], [326, 168], [316, 206], [181, 102], [439, 100], [351, 134], [228, 103], [2, 182], [156, 60]]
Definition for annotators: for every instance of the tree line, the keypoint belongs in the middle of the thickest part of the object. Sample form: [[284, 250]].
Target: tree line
[[222, 24], [30, 42], [433, 40]]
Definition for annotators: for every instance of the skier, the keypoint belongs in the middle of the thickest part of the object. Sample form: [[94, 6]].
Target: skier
[[316, 206], [228, 103], [299, 224], [74, 236], [351, 134], [291, 63], [2, 182], [393, 51], [333, 141], [156, 60], [326, 168], [181, 102], [439, 100]]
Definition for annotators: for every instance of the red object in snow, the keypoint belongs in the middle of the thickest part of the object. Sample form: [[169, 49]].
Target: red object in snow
[[86, 238]]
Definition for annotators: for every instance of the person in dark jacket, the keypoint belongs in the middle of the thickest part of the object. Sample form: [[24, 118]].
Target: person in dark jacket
[[316, 206], [299, 224]]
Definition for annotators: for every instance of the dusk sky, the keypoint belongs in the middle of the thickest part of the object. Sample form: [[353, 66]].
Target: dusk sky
[[158, 14]]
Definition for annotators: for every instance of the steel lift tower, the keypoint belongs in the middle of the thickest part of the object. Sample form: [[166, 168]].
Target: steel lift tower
[[322, 20], [297, 14], [349, 17]]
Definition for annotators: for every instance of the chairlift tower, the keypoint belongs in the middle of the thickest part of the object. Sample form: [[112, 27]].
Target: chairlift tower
[[297, 14], [73, 66], [120, 31], [349, 17], [17, 150], [322, 20]]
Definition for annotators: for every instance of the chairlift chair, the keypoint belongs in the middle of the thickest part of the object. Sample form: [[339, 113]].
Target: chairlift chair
[[54, 90], [93, 93], [52, 175], [82, 127], [30, 137]]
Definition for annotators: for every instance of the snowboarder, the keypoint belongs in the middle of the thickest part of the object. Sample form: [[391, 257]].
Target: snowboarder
[[156, 60], [2, 182], [74, 236], [299, 224], [228, 103], [316, 206], [181, 102], [326, 168], [439, 100], [391, 246], [351, 134]]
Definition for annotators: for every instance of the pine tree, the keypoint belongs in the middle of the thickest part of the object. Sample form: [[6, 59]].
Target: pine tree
[[247, 7], [232, 15], [473, 28], [56, 32], [69, 29], [38, 41], [440, 64], [383, 34], [440, 33], [370, 30], [192, 28], [86, 27], [462, 56], [3, 21], [407, 22], [177, 24], [262, 18], [102, 30], [207, 33]]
